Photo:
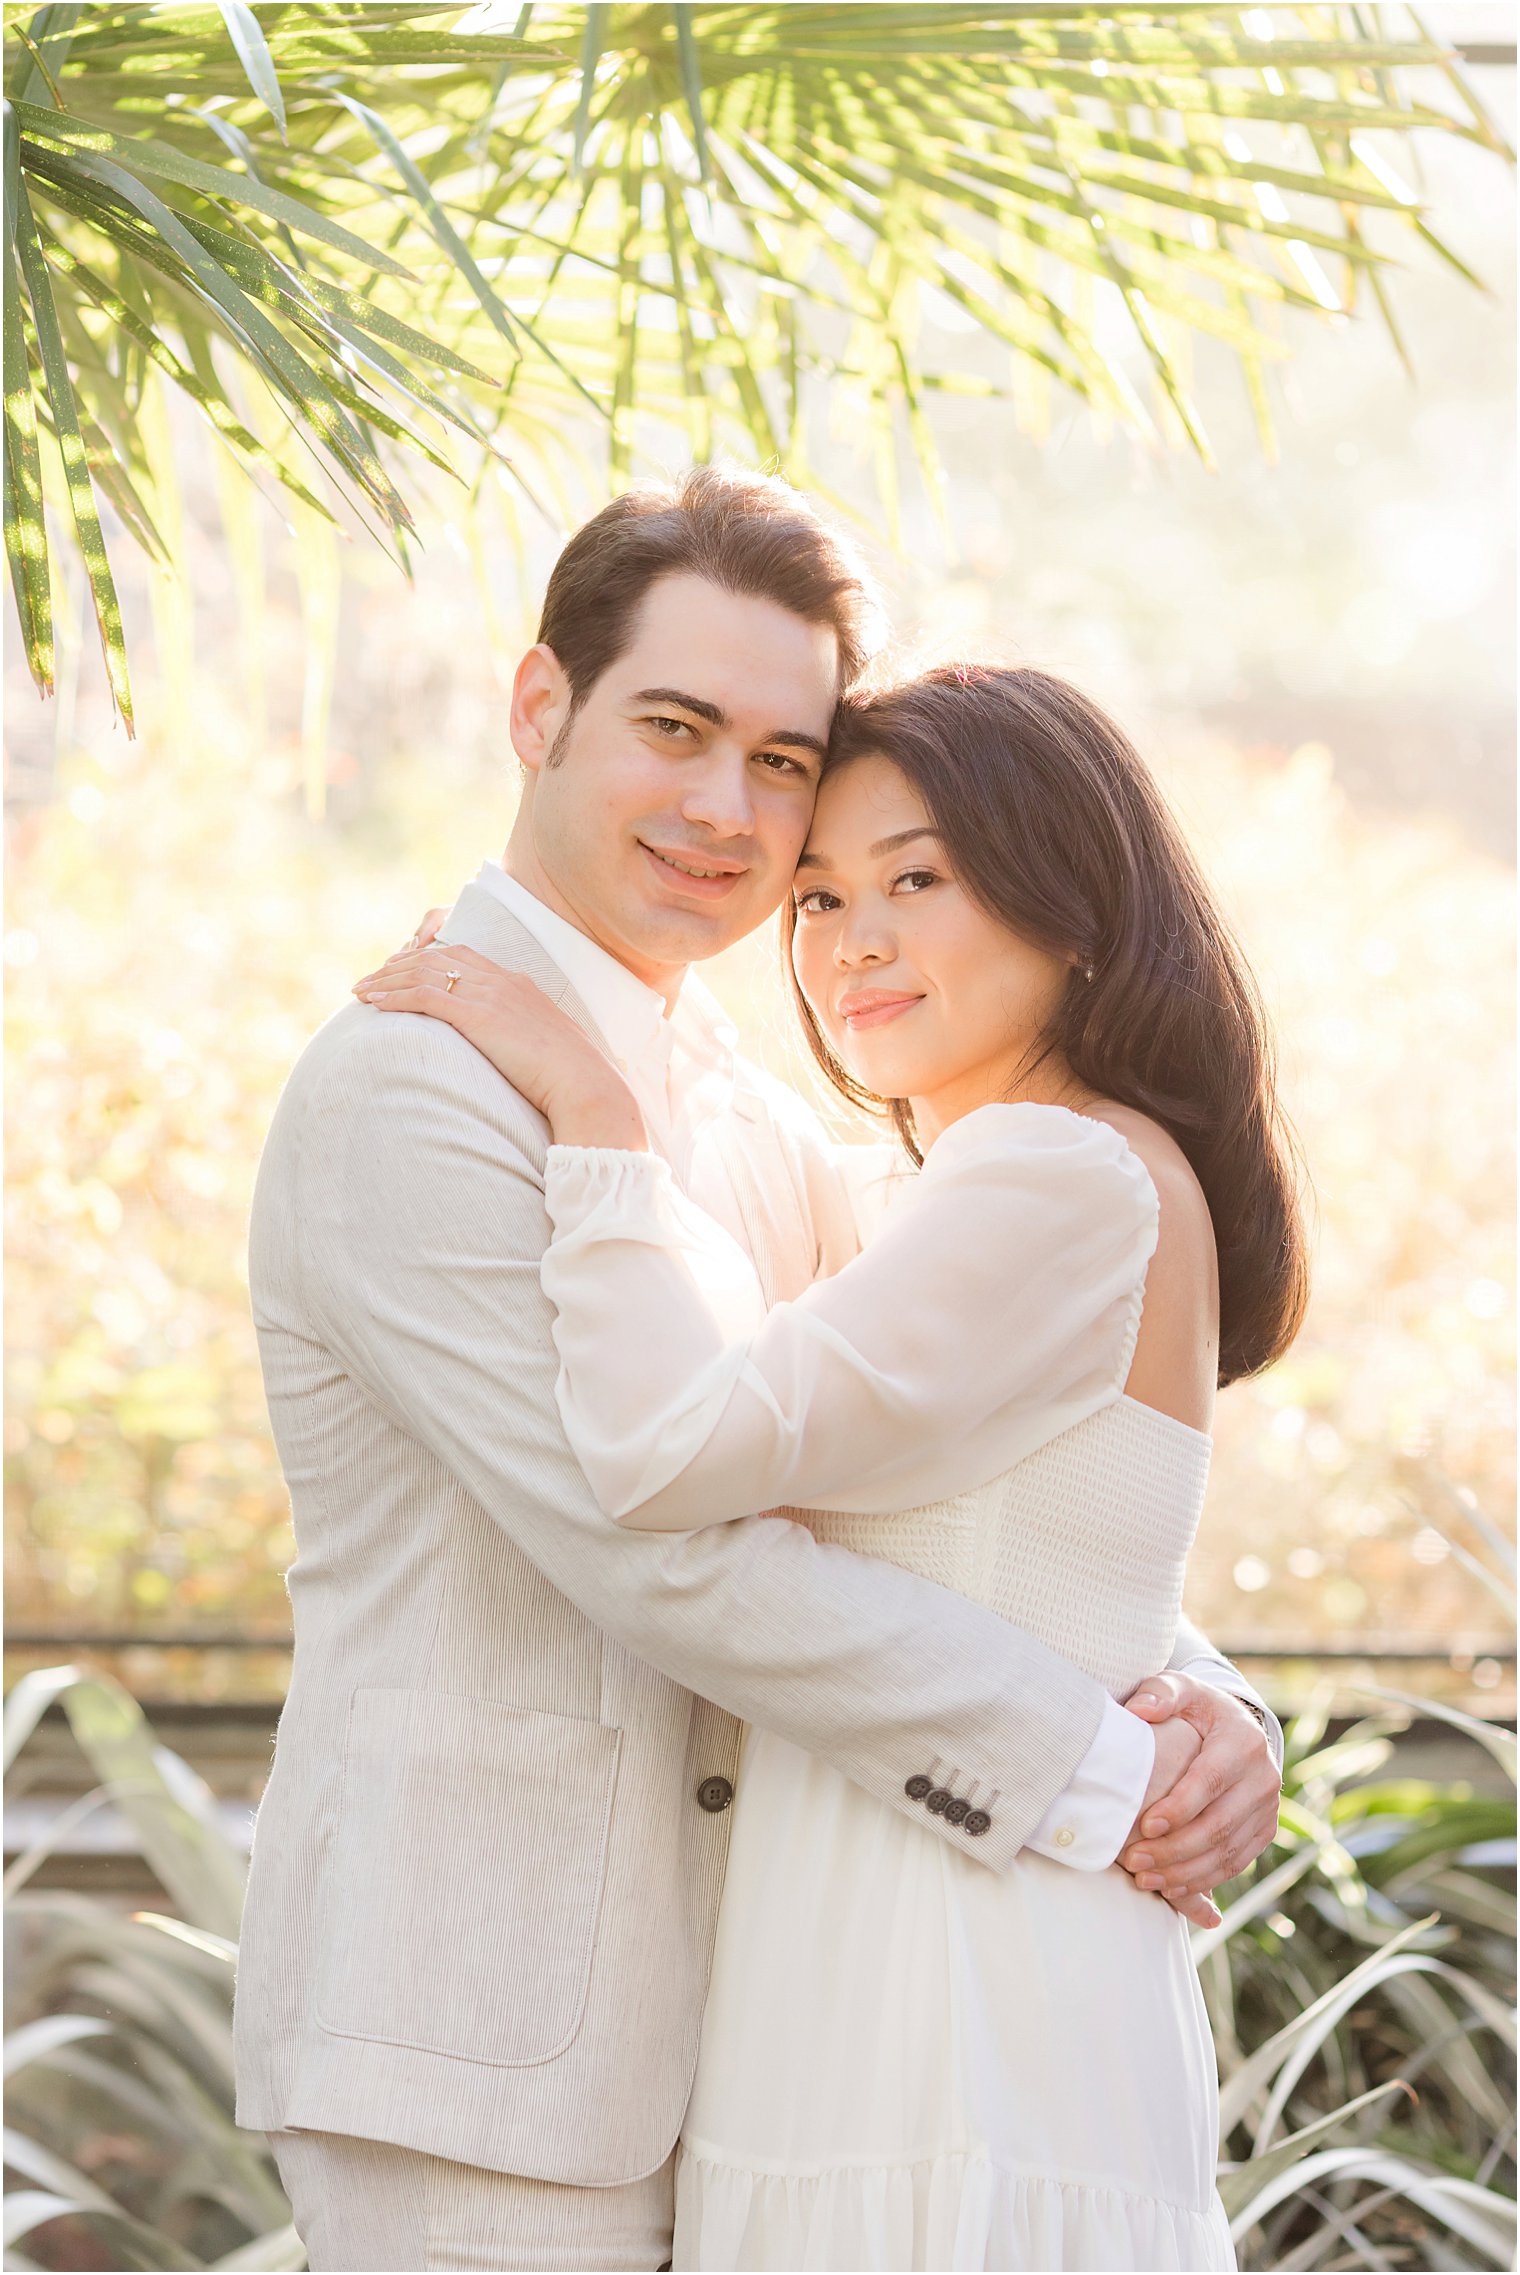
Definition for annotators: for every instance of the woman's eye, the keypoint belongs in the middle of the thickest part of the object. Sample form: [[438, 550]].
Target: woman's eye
[[916, 879], [811, 903]]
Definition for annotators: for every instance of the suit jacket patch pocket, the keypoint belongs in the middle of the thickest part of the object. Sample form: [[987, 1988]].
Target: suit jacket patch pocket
[[461, 1908]]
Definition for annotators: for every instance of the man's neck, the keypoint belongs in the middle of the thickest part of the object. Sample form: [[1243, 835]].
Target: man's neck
[[519, 864]]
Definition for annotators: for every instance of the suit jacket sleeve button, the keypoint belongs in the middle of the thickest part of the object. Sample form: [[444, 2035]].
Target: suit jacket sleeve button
[[956, 1812], [917, 1787], [937, 1802], [977, 1823], [714, 1794]]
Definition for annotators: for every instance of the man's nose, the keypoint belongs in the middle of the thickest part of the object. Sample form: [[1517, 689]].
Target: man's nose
[[720, 796]]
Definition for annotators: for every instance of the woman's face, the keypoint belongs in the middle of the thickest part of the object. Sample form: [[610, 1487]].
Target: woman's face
[[919, 992]]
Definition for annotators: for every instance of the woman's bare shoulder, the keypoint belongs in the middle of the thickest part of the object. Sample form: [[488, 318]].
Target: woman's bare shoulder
[[1176, 1358], [1168, 1167]]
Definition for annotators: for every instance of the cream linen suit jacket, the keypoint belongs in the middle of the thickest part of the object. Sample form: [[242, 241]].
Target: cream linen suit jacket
[[483, 1892]]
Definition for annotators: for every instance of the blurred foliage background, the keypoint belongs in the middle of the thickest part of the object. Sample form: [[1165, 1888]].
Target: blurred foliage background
[[1142, 344], [1315, 653]]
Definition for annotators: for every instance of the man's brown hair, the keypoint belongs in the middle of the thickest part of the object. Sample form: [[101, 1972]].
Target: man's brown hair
[[748, 533]]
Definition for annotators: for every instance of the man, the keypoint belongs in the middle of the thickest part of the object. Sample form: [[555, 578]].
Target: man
[[487, 1867]]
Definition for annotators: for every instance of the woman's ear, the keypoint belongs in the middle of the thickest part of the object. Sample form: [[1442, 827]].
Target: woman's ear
[[540, 706]]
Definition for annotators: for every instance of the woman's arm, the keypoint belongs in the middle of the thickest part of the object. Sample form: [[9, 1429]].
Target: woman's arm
[[997, 1306]]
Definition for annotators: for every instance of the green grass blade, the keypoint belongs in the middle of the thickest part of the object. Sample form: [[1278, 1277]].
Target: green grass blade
[[1240, 2187], [167, 1805], [36, 2041], [1499, 1742], [267, 2254]]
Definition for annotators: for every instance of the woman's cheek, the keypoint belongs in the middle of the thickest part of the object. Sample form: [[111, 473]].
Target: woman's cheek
[[810, 963]]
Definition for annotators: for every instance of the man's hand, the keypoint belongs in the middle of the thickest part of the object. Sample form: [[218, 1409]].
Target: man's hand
[[1221, 1813], [1178, 1746]]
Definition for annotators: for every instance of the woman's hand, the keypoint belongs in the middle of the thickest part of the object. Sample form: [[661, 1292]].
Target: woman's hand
[[541, 1051], [1178, 1746], [1223, 1812]]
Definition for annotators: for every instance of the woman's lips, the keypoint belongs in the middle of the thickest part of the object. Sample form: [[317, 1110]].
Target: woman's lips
[[859, 1011], [680, 880]]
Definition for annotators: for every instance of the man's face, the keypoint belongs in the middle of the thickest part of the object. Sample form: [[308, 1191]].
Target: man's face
[[681, 791]]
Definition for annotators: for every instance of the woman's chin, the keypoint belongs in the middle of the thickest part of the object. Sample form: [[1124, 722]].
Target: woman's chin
[[885, 1073]]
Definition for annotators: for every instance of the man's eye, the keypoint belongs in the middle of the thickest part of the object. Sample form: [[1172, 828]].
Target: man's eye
[[670, 728], [780, 763], [811, 903]]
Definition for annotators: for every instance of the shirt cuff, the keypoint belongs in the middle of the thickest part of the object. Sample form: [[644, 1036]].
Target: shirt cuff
[[1089, 1822]]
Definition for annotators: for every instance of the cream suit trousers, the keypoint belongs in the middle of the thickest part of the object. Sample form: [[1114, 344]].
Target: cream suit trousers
[[366, 2206]]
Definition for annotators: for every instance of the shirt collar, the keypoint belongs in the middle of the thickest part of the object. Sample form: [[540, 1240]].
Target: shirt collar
[[631, 1016]]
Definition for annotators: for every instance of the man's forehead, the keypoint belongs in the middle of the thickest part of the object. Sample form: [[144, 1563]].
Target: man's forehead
[[737, 651]]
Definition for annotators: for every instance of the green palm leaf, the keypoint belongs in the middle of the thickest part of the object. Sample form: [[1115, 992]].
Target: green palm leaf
[[25, 524], [65, 424], [647, 217]]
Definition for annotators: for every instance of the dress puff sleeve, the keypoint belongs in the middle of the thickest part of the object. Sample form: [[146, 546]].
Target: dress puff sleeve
[[997, 1305]]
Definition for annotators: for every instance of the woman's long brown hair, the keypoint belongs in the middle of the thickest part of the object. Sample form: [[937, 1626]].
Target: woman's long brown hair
[[1052, 822]]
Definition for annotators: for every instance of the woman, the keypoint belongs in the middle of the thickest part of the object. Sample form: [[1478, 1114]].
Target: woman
[[996, 934]]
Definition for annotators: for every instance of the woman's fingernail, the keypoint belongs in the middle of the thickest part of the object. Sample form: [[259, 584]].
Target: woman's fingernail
[[1155, 1827], [1150, 1882], [1145, 1698], [1142, 1861]]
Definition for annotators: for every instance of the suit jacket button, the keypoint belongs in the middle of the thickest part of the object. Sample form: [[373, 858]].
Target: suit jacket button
[[956, 1812], [977, 1822], [937, 1802], [917, 1787], [714, 1794]]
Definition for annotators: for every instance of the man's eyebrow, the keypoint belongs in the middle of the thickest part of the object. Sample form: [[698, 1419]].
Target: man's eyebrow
[[697, 705], [882, 845], [700, 708]]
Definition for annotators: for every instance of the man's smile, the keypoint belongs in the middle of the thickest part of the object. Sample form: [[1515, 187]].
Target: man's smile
[[709, 877]]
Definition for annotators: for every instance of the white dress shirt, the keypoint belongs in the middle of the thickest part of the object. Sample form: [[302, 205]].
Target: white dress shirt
[[679, 1063]]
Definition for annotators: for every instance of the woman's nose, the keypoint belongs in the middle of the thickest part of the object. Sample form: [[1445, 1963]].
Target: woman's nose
[[863, 939]]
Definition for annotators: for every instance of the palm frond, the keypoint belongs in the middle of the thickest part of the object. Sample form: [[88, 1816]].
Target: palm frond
[[639, 226]]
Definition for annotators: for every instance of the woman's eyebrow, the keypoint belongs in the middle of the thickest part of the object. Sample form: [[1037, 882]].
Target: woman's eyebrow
[[902, 837], [806, 860]]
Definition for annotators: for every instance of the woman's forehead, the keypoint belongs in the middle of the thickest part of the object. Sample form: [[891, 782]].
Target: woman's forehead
[[865, 799]]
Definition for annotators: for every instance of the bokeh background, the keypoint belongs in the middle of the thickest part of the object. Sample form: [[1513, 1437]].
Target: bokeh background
[[1311, 640], [1316, 655]]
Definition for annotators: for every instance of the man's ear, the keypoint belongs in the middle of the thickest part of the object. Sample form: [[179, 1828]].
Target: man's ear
[[540, 705]]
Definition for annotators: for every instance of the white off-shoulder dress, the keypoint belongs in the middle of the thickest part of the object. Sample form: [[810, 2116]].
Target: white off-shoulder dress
[[907, 2060]]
